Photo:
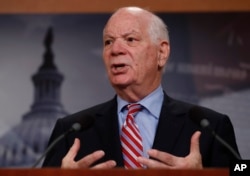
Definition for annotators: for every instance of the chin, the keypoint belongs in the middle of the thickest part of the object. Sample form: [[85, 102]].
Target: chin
[[121, 81], [120, 85]]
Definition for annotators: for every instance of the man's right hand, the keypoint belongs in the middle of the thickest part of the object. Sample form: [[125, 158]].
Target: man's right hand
[[69, 162]]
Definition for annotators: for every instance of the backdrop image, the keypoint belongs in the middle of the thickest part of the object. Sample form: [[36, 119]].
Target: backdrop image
[[51, 66]]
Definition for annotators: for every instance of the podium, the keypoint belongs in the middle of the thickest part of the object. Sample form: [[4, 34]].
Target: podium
[[112, 172]]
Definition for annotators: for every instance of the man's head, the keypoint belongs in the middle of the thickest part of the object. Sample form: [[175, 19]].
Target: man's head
[[136, 49]]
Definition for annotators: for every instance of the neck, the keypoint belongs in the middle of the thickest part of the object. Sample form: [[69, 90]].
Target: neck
[[134, 94]]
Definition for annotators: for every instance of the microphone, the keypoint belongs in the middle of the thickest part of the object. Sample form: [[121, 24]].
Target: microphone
[[196, 114], [85, 123]]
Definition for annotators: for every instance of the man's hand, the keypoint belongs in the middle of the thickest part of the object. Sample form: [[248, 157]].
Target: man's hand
[[69, 162], [166, 160]]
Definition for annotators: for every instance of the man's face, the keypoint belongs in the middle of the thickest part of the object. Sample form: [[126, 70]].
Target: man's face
[[129, 54]]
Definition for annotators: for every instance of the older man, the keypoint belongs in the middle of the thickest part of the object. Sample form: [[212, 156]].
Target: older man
[[141, 126]]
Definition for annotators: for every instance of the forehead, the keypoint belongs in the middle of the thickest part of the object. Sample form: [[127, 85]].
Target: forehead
[[125, 22]]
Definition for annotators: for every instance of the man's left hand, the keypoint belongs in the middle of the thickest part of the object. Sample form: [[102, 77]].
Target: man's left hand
[[165, 160]]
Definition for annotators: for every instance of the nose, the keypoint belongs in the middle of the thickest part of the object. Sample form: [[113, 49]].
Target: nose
[[118, 48]]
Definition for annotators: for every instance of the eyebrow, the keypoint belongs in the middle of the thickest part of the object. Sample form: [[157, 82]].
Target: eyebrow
[[123, 35], [129, 33]]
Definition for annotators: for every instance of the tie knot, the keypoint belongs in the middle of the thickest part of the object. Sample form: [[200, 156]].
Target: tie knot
[[133, 109]]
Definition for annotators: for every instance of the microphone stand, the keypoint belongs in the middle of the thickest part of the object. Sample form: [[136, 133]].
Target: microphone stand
[[75, 127]]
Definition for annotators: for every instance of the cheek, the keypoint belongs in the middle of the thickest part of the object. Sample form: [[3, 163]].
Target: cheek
[[150, 59], [146, 65], [105, 60]]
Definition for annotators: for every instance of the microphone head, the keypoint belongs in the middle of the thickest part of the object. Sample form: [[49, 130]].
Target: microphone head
[[84, 123], [76, 127], [196, 114], [204, 123]]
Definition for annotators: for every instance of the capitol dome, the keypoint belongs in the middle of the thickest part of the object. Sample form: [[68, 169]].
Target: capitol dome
[[23, 144]]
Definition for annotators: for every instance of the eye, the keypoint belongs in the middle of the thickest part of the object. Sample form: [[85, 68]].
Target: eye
[[107, 42], [130, 39]]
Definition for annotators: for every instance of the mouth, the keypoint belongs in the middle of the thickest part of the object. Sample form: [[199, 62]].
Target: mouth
[[117, 68]]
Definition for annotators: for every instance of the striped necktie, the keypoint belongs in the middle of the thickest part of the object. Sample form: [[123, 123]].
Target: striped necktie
[[131, 139]]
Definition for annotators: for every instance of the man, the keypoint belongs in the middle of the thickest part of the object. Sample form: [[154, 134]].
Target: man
[[136, 50]]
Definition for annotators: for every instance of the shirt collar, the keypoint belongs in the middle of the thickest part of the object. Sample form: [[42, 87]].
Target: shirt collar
[[151, 102]]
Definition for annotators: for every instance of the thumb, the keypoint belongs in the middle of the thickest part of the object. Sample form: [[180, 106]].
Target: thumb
[[195, 142]]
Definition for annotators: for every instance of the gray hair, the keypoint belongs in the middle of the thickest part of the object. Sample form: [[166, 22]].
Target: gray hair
[[157, 29]]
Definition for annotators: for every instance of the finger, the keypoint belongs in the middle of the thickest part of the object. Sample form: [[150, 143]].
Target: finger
[[68, 160], [73, 150], [88, 160], [106, 165], [195, 142], [152, 164], [162, 156]]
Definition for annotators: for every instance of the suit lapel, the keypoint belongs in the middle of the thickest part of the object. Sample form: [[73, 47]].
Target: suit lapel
[[108, 128], [169, 127]]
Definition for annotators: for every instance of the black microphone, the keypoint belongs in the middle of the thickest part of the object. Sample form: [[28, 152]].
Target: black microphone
[[85, 123], [196, 115]]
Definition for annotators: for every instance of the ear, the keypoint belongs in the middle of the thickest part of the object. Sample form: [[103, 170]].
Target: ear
[[163, 55]]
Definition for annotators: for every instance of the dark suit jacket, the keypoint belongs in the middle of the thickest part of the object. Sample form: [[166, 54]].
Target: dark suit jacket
[[173, 134]]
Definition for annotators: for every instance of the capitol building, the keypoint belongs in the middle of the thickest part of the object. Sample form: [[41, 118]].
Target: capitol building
[[22, 145]]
